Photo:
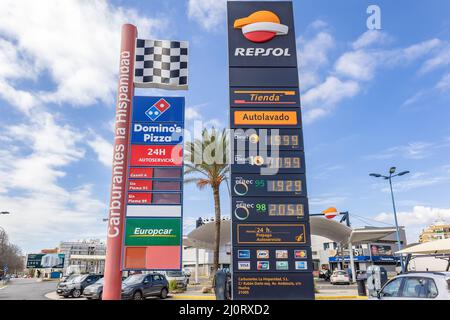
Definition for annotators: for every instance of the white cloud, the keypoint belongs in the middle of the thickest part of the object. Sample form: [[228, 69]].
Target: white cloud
[[363, 62], [312, 56], [438, 60], [325, 200], [192, 113], [444, 83], [420, 49], [320, 100], [413, 150], [359, 65], [75, 44], [103, 149], [416, 220], [209, 14], [35, 158], [370, 38], [420, 180]]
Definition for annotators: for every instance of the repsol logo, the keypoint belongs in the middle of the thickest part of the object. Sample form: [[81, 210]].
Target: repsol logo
[[263, 52]]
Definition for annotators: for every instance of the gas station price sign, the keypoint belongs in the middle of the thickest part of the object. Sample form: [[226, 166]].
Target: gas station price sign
[[271, 245], [279, 162], [279, 185], [269, 209], [266, 139]]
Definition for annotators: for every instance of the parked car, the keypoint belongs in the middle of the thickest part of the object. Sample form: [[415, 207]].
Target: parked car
[[141, 286], [68, 277], [95, 290], [416, 286], [187, 272], [75, 286], [339, 277], [181, 279]]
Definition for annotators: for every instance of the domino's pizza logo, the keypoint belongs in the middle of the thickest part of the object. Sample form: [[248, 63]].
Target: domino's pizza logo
[[156, 110]]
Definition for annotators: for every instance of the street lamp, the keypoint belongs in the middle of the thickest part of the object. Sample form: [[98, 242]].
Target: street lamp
[[392, 175]]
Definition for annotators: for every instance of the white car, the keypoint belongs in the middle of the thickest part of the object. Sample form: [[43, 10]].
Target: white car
[[178, 276], [416, 286], [340, 277]]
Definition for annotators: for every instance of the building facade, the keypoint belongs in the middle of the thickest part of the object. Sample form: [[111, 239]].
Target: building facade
[[329, 255], [85, 256], [437, 231], [204, 258]]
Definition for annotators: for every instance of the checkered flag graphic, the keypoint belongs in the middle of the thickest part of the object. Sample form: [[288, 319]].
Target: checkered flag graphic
[[161, 64]]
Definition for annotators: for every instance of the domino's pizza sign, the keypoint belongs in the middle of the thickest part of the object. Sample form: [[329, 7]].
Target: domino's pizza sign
[[158, 110]]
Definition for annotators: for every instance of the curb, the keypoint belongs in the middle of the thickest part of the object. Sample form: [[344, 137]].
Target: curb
[[188, 297], [341, 298]]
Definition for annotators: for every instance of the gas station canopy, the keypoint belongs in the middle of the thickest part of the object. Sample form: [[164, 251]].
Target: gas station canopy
[[432, 247]]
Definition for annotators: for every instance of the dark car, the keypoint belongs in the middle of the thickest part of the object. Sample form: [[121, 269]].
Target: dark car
[[141, 286], [95, 291], [75, 286]]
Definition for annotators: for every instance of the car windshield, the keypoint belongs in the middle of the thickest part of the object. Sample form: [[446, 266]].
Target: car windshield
[[174, 273], [341, 273], [71, 277], [134, 279], [76, 279]]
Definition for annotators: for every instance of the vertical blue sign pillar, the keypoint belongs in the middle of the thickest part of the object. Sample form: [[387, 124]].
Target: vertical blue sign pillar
[[270, 220]]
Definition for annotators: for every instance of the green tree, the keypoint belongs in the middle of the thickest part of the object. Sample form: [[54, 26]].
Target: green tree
[[207, 160]]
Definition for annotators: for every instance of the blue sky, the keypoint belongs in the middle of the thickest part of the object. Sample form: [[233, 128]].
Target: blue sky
[[371, 100]]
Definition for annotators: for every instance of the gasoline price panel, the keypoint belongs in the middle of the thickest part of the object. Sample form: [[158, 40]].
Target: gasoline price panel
[[270, 185], [284, 140], [284, 185]]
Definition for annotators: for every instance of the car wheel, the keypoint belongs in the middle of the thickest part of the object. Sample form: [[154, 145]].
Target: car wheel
[[76, 293], [100, 296], [164, 293], [137, 295]]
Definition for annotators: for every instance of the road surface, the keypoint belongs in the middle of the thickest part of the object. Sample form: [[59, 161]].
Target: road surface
[[27, 289]]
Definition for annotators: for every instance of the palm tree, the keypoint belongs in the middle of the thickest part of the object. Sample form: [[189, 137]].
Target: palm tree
[[207, 160]]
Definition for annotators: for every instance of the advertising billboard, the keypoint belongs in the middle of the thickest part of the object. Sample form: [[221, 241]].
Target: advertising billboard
[[271, 253], [380, 250], [43, 260], [154, 208]]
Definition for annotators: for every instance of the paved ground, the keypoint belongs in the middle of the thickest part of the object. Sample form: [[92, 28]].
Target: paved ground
[[26, 289], [30, 289]]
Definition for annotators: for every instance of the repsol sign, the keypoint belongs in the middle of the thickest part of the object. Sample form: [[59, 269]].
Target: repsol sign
[[263, 52]]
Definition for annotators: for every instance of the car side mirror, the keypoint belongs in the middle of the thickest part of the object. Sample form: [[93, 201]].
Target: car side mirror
[[146, 281]]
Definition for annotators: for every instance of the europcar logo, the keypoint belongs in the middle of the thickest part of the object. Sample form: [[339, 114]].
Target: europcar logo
[[261, 26]]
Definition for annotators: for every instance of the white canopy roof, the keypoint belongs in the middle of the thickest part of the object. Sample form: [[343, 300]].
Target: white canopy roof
[[432, 247], [203, 237]]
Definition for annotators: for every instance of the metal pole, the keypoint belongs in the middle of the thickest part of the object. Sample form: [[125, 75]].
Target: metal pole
[[399, 244], [117, 207], [196, 265], [352, 262]]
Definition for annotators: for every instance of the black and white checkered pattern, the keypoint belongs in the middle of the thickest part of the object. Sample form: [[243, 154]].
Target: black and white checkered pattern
[[161, 64]]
